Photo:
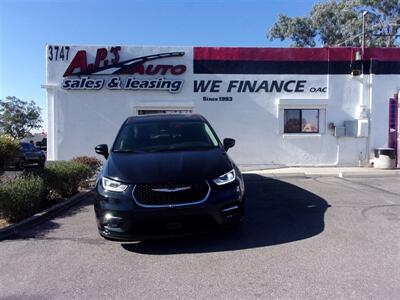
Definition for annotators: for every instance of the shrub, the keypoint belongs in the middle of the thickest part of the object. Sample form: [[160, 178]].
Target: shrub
[[92, 162], [9, 150], [22, 197], [64, 177]]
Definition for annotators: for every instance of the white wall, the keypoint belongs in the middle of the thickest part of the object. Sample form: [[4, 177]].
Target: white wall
[[384, 87], [79, 120]]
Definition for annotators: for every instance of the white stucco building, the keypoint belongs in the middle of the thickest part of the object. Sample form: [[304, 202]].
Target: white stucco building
[[284, 106]]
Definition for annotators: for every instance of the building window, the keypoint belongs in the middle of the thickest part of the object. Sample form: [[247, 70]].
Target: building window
[[301, 120]]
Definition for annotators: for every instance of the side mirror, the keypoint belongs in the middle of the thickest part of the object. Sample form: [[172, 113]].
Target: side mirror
[[102, 149], [228, 143]]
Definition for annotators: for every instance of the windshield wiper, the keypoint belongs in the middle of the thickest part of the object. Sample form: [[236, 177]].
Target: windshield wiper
[[177, 149], [126, 151], [161, 150]]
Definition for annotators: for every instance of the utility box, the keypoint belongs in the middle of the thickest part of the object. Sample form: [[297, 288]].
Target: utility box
[[362, 128], [351, 128], [356, 128]]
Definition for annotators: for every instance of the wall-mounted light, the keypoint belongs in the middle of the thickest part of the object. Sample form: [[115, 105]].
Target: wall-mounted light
[[355, 68], [356, 64], [358, 56]]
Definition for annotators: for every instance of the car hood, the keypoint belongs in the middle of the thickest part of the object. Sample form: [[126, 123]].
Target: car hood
[[173, 166]]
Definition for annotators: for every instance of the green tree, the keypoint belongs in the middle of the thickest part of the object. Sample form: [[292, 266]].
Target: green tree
[[340, 22], [18, 118]]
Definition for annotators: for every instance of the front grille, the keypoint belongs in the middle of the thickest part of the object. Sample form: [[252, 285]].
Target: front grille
[[160, 226], [170, 194]]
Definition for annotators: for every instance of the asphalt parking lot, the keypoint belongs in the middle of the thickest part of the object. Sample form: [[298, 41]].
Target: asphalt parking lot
[[321, 237]]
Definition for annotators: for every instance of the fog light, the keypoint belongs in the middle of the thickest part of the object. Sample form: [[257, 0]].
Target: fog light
[[230, 208], [230, 211], [111, 222], [107, 217]]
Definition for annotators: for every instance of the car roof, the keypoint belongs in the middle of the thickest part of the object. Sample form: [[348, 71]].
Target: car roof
[[165, 117]]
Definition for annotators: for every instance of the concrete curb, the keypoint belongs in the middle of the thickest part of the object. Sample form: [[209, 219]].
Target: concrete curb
[[42, 216], [280, 175], [342, 174], [377, 173]]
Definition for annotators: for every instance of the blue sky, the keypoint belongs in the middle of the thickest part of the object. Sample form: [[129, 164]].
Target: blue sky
[[26, 26]]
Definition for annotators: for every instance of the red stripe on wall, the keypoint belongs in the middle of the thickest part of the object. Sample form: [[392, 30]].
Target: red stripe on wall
[[293, 54], [383, 54]]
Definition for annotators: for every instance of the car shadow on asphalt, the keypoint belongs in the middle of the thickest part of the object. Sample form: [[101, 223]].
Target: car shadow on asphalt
[[277, 212]]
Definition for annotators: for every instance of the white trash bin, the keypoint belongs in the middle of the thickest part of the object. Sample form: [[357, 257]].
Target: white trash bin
[[384, 158]]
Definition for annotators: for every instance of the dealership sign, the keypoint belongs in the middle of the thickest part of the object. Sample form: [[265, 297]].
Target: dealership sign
[[131, 74]]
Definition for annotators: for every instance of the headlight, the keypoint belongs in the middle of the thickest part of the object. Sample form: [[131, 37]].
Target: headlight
[[226, 178], [112, 185]]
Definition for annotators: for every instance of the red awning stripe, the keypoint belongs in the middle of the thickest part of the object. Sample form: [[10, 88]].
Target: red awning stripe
[[293, 54]]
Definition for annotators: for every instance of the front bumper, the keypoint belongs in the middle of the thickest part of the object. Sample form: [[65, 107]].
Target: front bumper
[[120, 218]]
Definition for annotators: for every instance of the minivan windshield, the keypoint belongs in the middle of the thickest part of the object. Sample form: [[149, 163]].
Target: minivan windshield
[[166, 135]]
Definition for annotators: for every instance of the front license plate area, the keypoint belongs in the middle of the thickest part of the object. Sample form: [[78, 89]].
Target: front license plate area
[[173, 226]]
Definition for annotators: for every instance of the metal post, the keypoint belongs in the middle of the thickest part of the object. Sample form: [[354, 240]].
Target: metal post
[[363, 33]]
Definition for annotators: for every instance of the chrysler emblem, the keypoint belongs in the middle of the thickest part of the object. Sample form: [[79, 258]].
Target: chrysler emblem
[[171, 190]]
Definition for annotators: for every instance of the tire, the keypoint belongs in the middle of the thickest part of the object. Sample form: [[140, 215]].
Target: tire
[[235, 224], [21, 164], [233, 227]]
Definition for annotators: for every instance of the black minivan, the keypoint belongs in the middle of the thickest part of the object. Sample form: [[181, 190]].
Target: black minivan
[[167, 175]]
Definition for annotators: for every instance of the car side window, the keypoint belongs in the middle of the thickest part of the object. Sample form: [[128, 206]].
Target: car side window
[[28, 147]]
